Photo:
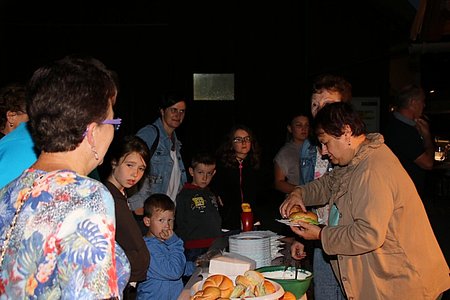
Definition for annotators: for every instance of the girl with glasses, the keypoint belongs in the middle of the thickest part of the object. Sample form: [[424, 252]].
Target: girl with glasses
[[238, 178]]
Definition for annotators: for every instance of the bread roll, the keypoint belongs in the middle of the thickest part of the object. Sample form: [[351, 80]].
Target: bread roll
[[288, 296], [238, 291], [295, 208], [264, 288], [269, 287], [307, 217], [208, 293], [224, 283], [255, 277], [244, 281]]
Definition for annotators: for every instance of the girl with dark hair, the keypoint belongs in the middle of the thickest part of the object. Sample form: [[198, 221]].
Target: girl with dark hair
[[129, 160], [238, 178], [286, 163]]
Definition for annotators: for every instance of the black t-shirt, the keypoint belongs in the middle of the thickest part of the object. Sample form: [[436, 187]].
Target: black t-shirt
[[407, 144], [197, 216], [226, 183]]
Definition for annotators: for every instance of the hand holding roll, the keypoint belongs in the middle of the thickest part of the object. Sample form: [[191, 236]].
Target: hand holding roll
[[295, 198]]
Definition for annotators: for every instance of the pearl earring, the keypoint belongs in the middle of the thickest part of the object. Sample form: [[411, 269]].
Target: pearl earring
[[95, 153]]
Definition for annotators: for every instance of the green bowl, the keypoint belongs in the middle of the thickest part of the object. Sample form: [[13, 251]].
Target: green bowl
[[296, 286]]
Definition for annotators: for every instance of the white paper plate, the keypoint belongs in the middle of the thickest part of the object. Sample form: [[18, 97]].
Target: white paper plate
[[287, 222]]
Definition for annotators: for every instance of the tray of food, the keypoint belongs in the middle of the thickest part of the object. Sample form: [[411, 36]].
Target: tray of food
[[251, 284]]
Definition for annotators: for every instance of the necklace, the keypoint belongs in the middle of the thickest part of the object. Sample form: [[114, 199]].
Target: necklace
[[13, 224], [14, 220]]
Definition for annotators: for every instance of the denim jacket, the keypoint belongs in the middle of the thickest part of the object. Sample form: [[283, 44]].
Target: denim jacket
[[308, 157], [308, 154], [161, 164]]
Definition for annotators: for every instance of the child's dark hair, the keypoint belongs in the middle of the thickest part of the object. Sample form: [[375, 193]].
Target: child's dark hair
[[205, 158], [123, 146], [127, 145], [158, 202], [226, 152]]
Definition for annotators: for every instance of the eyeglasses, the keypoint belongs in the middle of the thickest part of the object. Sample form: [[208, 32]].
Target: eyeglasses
[[115, 122], [174, 110], [241, 140]]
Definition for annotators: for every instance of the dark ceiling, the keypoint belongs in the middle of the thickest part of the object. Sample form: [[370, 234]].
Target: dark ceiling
[[313, 35], [275, 48]]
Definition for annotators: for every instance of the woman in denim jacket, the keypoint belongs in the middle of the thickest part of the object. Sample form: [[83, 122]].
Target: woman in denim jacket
[[167, 173]]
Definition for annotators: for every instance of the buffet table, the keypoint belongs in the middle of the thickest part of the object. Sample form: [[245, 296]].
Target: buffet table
[[197, 275]]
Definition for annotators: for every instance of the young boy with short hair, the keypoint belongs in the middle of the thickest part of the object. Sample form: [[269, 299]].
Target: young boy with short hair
[[167, 261], [197, 221]]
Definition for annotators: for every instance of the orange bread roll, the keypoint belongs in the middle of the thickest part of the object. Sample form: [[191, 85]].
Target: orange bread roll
[[208, 293], [295, 208], [307, 217], [244, 281], [224, 283], [288, 296], [264, 288], [269, 287]]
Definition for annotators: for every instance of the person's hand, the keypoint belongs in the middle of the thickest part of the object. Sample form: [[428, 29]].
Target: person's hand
[[298, 250], [307, 231], [165, 234], [294, 198], [423, 128]]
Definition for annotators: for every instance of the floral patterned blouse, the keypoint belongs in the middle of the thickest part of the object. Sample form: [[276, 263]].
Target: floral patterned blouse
[[62, 246]]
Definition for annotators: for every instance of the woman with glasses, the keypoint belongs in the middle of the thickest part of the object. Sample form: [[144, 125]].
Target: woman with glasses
[[238, 178], [57, 233], [167, 173]]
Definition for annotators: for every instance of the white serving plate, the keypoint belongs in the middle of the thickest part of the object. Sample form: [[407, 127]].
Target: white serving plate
[[279, 291]]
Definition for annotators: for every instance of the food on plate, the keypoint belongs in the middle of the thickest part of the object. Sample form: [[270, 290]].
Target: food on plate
[[208, 293], [288, 296], [244, 281], [307, 217], [254, 276], [265, 288], [251, 284], [224, 283], [295, 208], [270, 288]]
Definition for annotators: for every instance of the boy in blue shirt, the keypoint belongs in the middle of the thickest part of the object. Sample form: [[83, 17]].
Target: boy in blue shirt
[[167, 261]]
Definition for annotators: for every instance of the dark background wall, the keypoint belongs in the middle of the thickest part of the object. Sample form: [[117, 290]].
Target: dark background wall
[[275, 50]]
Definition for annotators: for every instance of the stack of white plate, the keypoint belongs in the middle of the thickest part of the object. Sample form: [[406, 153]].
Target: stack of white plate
[[253, 244], [275, 244]]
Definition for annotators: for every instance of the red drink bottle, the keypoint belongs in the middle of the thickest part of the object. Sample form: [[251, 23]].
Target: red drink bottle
[[247, 221]]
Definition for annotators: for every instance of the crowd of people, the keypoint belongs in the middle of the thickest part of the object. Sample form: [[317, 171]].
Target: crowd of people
[[139, 232]]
